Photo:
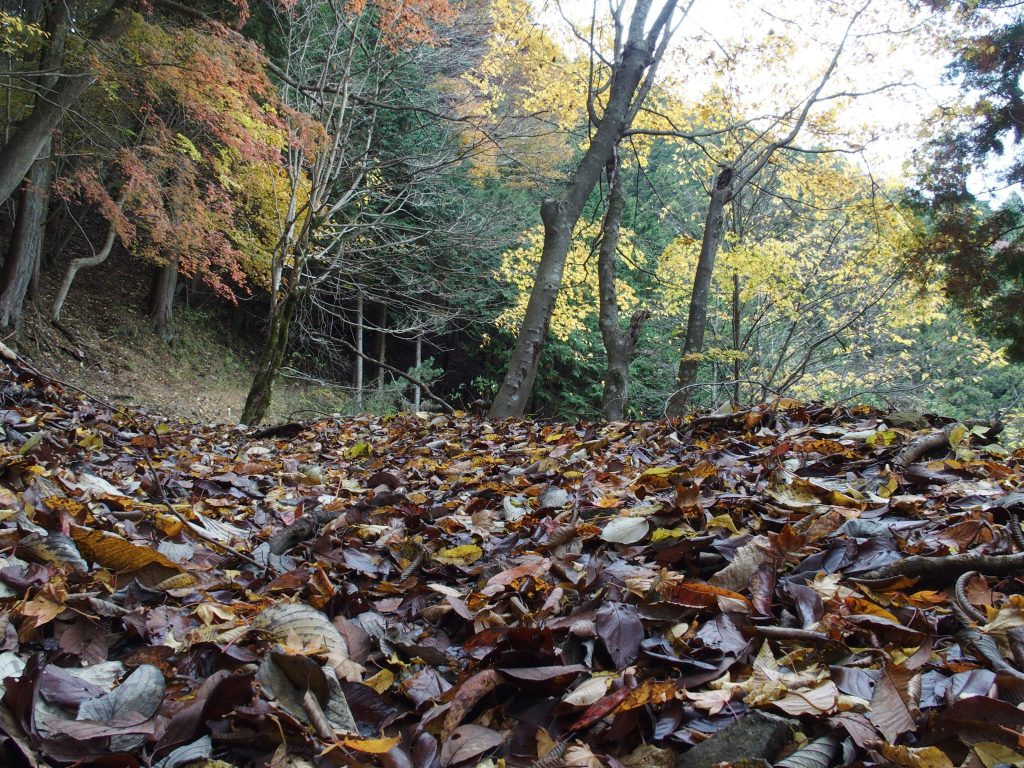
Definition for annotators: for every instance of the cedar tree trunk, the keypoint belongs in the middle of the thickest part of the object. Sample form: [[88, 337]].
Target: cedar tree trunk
[[31, 137], [360, 325], [162, 310], [26, 242]]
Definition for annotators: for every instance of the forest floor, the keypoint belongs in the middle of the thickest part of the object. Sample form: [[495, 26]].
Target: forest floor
[[791, 585], [203, 375]]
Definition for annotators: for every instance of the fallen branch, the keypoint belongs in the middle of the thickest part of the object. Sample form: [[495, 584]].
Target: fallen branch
[[923, 445], [789, 633], [76, 353], [303, 529], [947, 566], [174, 513]]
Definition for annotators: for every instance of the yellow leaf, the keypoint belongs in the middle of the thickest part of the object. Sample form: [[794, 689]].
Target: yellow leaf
[[909, 757], [382, 681], [666, 533], [722, 521], [357, 450], [463, 554], [42, 609], [118, 554], [659, 471], [993, 754], [885, 437]]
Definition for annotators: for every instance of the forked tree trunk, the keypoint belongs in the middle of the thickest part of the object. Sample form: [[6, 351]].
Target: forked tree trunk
[[697, 322], [162, 309], [271, 360], [619, 343], [559, 215], [26, 243]]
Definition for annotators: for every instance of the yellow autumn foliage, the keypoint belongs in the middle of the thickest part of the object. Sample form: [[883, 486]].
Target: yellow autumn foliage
[[577, 305]]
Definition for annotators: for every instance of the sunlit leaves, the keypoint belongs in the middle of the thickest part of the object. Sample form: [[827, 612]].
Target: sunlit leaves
[[576, 308]]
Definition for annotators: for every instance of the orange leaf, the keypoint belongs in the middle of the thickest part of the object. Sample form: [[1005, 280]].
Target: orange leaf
[[697, 595], [372, 746], [649, 692]]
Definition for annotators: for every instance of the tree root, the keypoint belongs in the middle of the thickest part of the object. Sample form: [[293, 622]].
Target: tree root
[[961, 602]]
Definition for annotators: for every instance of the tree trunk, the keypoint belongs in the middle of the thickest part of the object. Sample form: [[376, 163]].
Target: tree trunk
[[359, 351], [619, 343], [76, 264], [736, 337], [26, 243], [560, 215], [382, 346], [698, 319], [162, 310], [417, 393], [271, 360]]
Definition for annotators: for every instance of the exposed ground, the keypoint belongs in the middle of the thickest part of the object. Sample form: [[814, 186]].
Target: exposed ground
[[203, 375]]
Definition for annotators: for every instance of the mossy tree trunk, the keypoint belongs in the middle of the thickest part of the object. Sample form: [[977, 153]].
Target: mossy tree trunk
[[258, 401]]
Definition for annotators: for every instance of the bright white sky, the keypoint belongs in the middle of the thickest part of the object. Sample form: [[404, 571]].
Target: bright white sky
[[895, 116]]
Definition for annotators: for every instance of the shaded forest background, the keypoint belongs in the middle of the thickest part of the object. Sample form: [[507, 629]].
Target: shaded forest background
[[207, 203]]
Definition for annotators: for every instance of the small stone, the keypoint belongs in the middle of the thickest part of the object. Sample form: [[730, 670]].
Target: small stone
[[755, 736]]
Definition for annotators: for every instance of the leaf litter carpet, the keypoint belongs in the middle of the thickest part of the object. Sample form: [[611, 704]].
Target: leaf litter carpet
[[792, 585]]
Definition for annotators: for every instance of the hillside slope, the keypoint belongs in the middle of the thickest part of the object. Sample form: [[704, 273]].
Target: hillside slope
[[204, 375]]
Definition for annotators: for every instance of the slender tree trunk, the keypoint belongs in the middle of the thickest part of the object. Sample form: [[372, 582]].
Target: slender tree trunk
[[360, 325], [619, 343], [26, 243], [162, 310], [698, 319], [271, 360], [76, 264], [417, 393], [736, 337], [382, 346], [559, 215]]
